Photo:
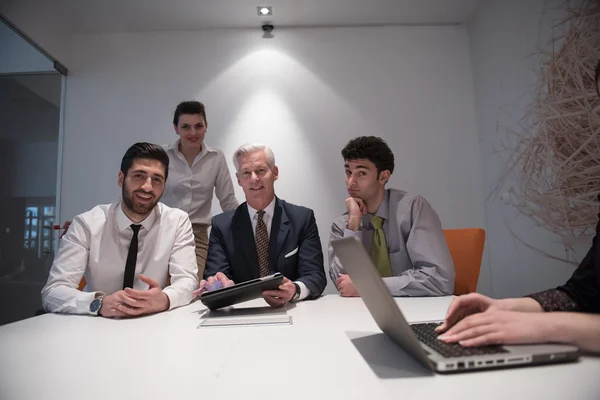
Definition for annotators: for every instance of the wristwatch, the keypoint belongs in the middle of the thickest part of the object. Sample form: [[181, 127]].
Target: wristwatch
[[96, 305], [297, 295]]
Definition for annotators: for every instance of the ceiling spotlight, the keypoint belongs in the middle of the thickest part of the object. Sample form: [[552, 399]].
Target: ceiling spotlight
[[264, 11]]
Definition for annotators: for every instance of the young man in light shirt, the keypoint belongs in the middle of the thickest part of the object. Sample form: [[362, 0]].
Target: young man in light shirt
[[402, 232], [128, 251]]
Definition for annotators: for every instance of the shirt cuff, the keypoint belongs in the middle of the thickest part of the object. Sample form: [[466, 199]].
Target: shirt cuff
[[304, 291], [350, 233], [555, 300], [83, 301], [173, 297]]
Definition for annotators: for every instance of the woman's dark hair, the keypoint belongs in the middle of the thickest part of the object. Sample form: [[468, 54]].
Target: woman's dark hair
[[189, 107]]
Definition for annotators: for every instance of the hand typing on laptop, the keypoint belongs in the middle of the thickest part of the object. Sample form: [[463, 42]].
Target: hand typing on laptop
[[497, 326], [217, 281], [477, 320]]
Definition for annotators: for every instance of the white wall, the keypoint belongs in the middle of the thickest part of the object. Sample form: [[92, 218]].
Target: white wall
[[18, 56], [504, 35], [306, 93]]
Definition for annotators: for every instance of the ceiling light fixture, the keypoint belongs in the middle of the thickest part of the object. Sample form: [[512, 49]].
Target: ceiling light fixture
[[264, 11]]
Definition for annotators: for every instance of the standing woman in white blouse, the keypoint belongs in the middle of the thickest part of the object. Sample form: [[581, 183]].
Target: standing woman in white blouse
[[195, 172]]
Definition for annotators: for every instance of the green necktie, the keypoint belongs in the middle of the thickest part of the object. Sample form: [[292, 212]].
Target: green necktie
[[379, 250]]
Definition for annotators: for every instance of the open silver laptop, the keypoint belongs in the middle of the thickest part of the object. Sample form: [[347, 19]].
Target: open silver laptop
[[420, 340]]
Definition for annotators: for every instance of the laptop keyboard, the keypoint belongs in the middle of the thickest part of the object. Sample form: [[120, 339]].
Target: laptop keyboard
[[426, 333]]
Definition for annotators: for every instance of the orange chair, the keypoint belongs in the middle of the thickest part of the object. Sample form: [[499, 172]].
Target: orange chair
[[466, 249]]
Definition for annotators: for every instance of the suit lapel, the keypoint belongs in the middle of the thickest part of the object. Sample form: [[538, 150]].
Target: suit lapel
[[244, 237], [280, 227]]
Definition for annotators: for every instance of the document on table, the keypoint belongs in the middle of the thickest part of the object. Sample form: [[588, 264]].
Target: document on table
[[248, 316]]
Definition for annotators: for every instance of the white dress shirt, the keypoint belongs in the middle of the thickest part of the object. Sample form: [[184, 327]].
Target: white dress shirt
[[96, 246], [191, 188], [268, 218]]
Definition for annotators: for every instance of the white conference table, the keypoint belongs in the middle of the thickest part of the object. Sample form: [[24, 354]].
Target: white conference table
[[333, 350]]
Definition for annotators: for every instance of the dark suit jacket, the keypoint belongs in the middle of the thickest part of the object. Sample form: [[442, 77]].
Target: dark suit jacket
[[584, 285], [232, 249], [582, 290]]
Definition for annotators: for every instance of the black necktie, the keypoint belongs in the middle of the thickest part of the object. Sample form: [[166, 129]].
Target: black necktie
[[131, 258]]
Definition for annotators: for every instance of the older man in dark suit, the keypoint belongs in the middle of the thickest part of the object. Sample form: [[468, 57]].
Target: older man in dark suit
[[265, 235]]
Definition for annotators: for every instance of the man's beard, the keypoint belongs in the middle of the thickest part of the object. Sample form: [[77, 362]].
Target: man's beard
[[141, 209]]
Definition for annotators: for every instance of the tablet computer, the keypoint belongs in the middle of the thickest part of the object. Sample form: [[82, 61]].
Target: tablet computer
[[240, 292]]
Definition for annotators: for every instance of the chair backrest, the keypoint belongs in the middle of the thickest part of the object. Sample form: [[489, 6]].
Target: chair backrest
[[466, 249]]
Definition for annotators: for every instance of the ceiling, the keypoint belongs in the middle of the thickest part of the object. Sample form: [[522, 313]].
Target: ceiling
[[92, 16]]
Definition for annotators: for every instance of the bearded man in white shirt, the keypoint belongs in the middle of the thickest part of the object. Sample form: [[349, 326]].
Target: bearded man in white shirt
[[137, 255]]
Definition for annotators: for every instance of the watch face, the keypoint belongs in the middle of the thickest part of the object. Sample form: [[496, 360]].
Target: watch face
[[95, 305]]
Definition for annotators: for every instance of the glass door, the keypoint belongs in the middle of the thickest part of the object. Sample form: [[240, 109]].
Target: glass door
[[31, 98]]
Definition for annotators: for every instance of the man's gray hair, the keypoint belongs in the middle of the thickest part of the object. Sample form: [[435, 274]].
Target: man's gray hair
[[250, 148]]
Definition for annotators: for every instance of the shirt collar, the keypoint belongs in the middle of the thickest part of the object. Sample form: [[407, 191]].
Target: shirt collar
[[205, 149], [123, 221], [269, 210], [382, 210]]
